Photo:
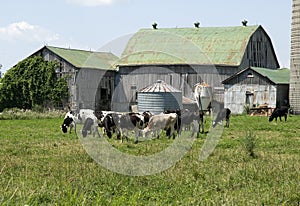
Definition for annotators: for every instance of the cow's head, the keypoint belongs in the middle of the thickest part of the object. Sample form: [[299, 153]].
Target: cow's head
[[64, 128], [271, 118], [84, 133]]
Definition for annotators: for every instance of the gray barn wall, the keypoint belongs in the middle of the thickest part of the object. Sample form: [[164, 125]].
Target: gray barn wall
[[259, 52], [264, 92], [235, 96], [183, 77], [89, 85], [85, 84]]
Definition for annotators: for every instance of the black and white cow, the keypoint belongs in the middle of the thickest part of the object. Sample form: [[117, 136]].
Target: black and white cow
[[131, 122], [122, 123], [89, 120], [279, 112], [90, 126], [107, 122], [69, 122], [86, 117], [223, 114]]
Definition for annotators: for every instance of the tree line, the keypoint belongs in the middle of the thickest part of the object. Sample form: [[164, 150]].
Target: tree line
[[32, 83]]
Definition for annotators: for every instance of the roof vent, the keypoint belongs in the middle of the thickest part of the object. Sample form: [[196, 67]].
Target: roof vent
[[244, 22], [197, 24], [154, 25]]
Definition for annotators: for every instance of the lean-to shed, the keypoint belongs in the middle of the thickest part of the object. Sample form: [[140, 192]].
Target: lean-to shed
[[255, 86]]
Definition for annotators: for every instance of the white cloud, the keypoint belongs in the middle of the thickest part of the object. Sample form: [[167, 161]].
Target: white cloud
[[92, 2], [26, 32]]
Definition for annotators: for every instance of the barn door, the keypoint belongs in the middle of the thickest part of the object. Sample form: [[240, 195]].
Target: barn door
[[249, 99]]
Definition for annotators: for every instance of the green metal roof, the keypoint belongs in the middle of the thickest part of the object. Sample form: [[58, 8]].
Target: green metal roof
[[278, 76], [86, 59], [204, 45]]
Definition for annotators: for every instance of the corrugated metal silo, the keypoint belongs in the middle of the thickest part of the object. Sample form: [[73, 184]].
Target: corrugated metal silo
[[295, 59], [159, 97]]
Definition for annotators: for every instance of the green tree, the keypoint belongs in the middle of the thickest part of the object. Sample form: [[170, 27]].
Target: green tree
[[32, 82]]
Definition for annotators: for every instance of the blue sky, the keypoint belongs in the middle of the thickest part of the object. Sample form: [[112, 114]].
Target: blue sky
[[26, 26]]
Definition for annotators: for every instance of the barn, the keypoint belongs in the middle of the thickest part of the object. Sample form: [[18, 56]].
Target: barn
[[183, 57], [254, 86], [90, 75]]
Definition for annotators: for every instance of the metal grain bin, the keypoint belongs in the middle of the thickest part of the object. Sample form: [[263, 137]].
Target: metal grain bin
[[159, 97]]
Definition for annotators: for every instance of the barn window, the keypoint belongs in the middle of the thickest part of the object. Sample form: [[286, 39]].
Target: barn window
[[250, 75], [133, 89]]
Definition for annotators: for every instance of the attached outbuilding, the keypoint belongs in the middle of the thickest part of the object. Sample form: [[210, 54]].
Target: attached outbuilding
[[90, 75], [254, 86]]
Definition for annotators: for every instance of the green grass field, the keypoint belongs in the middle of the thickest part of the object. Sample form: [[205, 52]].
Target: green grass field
[[41, 166]]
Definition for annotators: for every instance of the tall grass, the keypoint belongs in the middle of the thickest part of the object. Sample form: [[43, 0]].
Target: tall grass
[[41, 166], [16, 113]]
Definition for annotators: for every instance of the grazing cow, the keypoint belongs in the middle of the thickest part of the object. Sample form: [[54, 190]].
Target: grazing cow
[[122, 123], [69, 122], [131, 122], [90, 126], [147, 115], [160, 122], [108, 123], [87, 127], [188, 118], [279, 112], [223, 114], [88, 118], [178, 119]]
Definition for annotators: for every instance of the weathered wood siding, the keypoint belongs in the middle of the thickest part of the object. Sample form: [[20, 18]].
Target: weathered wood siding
[[93, 89], [259, 52], [251, 90], [88, 88], [183, 77]]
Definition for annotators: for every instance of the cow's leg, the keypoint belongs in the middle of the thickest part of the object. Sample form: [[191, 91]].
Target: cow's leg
[[71, 126], [137, 133], [285, 117], [173, 132], [74, 124], [121, 135], [95, 130], [227, 122]]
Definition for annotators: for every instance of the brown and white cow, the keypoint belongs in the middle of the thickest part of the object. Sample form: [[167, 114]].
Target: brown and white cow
[[160, 122]]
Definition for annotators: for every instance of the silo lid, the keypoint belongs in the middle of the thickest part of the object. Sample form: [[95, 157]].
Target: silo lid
[[159, 86]]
